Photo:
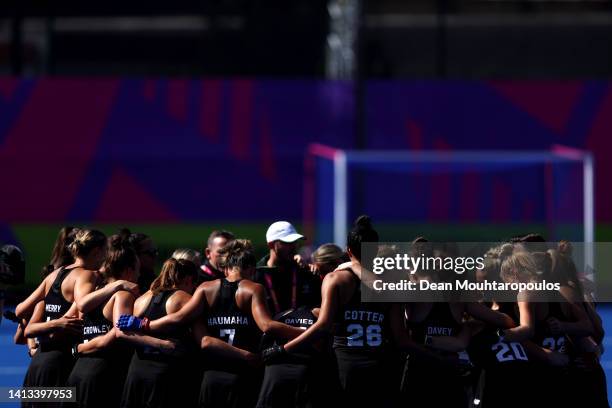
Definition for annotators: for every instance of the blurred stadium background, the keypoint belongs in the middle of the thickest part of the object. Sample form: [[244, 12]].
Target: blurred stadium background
[[177, 118]]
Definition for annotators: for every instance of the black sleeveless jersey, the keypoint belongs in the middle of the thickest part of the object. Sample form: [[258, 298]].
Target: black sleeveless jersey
[[544, 338], [156, 309], [507, 377], [487, 350], [301, 317], [227, 322], [56, 306], [438, 322], [95, 324], [360, 325]]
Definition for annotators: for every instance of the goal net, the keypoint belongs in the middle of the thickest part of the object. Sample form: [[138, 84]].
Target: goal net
[[449, 195]]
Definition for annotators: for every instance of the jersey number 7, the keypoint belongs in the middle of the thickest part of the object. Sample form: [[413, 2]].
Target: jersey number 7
[[227, 335]]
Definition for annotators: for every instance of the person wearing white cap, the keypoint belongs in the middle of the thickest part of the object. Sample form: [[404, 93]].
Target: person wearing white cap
[[282, 231], [288, 285]]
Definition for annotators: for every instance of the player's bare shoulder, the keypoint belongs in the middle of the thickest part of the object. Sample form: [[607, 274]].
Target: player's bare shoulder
[[82, 275], [142, 302], [177, 300], [207, 292], [342, 274], [209, 286], [250, 287], [49, 279], [123, 295]]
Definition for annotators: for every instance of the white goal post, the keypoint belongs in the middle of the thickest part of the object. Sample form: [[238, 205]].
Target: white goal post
[[340, 161]]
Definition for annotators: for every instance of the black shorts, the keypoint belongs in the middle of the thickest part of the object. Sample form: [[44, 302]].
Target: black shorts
[[224, 389], [159, 383], [429, 384], [285, 385], [366, 378], [48, 369], [98, 382]]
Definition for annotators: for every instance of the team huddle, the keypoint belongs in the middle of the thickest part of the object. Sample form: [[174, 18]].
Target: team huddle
[[286, 331]]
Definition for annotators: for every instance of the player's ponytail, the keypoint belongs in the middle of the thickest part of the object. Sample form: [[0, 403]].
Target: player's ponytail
[[61, 254], [361, 232], [172, 274]]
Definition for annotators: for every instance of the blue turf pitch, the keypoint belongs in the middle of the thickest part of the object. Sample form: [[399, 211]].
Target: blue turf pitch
[[14, 360]]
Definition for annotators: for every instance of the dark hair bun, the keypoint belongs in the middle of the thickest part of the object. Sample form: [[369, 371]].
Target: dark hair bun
[[363, 222], [118, 242], [361, 232], [125, 233]]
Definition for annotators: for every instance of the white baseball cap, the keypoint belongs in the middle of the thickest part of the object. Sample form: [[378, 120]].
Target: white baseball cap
[[282, 231]]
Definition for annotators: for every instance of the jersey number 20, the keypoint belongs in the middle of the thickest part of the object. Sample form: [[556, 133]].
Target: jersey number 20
[[373, 335], [509, 351]]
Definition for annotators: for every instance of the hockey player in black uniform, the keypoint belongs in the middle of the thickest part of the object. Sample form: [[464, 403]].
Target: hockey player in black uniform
[[155, 373], [291, 379], [55, 321], [547, 324], [361, 330], [101, 365]]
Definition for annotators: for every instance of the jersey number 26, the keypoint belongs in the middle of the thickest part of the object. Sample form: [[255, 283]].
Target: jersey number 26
[[373, 335]]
